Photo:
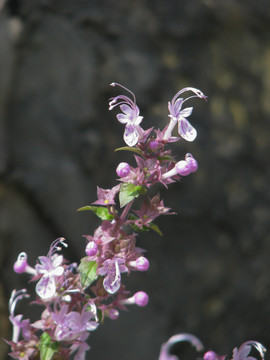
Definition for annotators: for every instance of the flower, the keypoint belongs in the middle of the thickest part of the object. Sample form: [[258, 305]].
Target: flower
[[165, 348], [129, 116], [49, 267], [177, 114], [112, 269], [72, 325], [106, 196], [244, 350], [17, 322]]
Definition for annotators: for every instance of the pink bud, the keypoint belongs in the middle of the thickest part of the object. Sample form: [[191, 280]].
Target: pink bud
[[21, 263], [192, 163], [113, 314], [154, 144], [141, 298], [182, 168], [91, 248], [210, 355], [142, 264], [123, 169]]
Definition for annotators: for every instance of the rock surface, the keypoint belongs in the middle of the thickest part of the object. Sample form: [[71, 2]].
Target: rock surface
[[209, 274]]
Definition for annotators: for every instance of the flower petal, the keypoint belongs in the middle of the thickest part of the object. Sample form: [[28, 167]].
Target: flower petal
[[186, 130], [122, 118], [45, 288], [57, 260], [127, 110], [138, 120], [186, 112], [131, 135], [112, 283], [177, 106]]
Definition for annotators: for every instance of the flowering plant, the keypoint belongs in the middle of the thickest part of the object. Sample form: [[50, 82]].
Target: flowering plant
[[77, 298]]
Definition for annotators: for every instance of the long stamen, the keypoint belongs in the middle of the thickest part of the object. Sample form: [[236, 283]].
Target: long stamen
[[196, 91], [123, 87]]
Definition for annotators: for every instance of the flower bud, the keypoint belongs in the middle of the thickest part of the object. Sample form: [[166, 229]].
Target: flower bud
[[192, 163], [142, 263], [123, 169], [210, 355], [21, 263], [141, 298], [182, 168], [113, 314], [154, 144], [91, 248]]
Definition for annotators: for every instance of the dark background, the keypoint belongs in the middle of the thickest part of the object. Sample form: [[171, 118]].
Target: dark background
[[209, 273]]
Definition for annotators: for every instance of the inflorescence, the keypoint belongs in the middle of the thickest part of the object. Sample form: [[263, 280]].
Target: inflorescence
[[77, 298]]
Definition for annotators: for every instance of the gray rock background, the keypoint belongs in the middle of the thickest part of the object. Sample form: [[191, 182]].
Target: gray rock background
[[209, 274]]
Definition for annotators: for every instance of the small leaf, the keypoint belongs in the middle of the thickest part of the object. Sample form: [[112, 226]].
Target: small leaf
[[128, 192], [156, 229], [47, 347], [100, 211], [88, 272], [166, 157], [100, 315], [127, 148]]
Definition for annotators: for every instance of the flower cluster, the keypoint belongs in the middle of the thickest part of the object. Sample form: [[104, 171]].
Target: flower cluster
[[243, 353], [77, 298]]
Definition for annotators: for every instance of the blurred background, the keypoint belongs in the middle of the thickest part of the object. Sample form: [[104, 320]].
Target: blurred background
[[209, 273]]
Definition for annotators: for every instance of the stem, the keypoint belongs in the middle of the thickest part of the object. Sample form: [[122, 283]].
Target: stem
[[126, 210]]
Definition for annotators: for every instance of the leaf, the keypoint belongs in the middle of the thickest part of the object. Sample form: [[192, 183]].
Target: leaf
[[88, 272], [100, 211], [128, 192], [127, 148], [156, 229], [166, 157], [47, 347]]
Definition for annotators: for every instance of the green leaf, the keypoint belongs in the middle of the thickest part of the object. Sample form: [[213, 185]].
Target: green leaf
[[127, 148], [88, 272], [166, 157], [47, 347], [100, 211], [128, 192], [156, 229]]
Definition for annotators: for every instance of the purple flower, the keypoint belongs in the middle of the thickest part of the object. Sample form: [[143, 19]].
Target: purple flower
[[112, 268], [106, 196], [244, 350], [129, 116], [177, 114], [72, 325], [17, 322], [165, 348], [49, 267]]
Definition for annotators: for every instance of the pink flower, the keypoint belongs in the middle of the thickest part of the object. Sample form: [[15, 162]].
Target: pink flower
[[106, 196], [112, 268], [129, 116], [177, 114], [50, 267]]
